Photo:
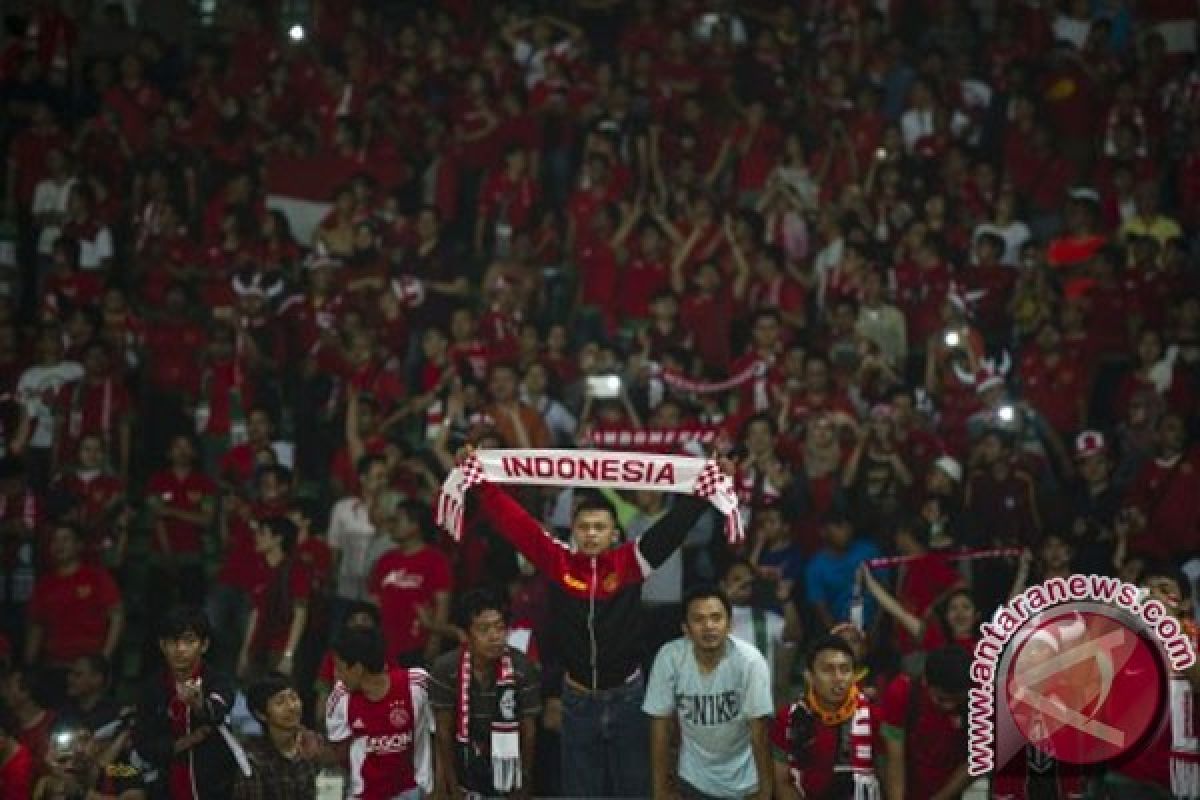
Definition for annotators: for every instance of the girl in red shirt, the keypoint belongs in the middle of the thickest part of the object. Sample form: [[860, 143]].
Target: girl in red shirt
[[280, 611]]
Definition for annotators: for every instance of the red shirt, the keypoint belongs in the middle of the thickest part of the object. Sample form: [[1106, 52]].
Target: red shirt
[[173, 347], [273, 624], [243, 566], [73, 611], [1167, 496], [708, 320], [598, 272], [239, 463], [508, 200], [92, 409], [641, 280], [403, 583], [390, 749], [812, 766], [97, 496], [1055, 390], [924, 581], [16, 775], [185, 493], [939, 740]]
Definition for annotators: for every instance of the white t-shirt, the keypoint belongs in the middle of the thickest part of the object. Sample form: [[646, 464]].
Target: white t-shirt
[[93, 252], [351, 532], [50, 197], [743, 628], [1015, 234], [714, 711], [37, 390]]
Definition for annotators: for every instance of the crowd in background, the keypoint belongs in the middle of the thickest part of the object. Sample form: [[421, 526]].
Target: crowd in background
[[925, 270]]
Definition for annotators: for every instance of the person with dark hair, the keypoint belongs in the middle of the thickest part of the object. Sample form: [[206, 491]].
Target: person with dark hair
[[383, 713], [16, 762], [89, 680], [924, 730], [351, 532], [829, 576], [359, 616], [280, 610], [486, 696], [180, 729], [285, 760], [410, 583], [824, 742], [596, 591], [74, 611], [31, 722], [718, 690], [82, 765]]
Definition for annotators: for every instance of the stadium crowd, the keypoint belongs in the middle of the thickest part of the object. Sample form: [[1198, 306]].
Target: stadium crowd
[[920, 274]]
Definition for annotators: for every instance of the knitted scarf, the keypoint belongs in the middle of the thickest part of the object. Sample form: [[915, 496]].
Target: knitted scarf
[[854, 753], [505, 740], [589, 468]]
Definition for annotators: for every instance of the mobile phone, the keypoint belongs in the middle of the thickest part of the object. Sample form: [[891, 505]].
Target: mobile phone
[[604, 387]]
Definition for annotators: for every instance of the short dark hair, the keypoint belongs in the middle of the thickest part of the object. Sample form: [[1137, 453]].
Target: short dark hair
[[362, 607], [361, 646], [593, 501], [828, 641], [706, 592], [1165, 569], [263, 689], [948, 669], [477, 601], [285, 529], [182, 620], [366, 462]]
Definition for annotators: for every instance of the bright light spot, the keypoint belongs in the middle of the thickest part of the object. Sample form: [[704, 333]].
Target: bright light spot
[[952, 338], [1006, 413], [296, 33]]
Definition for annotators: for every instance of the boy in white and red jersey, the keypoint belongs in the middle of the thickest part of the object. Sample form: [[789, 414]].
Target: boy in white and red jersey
[[383, 712]]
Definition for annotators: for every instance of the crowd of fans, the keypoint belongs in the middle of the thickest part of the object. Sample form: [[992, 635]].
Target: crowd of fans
[[923, 270]]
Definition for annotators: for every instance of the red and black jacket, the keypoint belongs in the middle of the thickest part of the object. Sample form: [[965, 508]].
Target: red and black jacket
[[597, 599]]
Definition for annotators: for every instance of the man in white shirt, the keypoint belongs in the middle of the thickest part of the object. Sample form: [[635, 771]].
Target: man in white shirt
[[351, 534], [50, 200], [37, 393], [717, 688]]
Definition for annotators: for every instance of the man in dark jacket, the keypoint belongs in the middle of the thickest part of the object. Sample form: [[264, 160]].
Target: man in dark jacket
[[598, 621], [182, 713]]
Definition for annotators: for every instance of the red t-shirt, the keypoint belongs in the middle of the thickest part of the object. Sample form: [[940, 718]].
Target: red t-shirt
[[938, 741], [271, 630], [1167, 496], [924, 581], [185, 493], [1055, 390], [812, 766], [16, 775], [92, 409], [174, 348], [97, 497], [73, 611], [404, 582], [390, 749]]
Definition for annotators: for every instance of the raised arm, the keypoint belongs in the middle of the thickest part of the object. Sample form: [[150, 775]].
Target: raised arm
[[666, 536], [510, 520], [909, 621]]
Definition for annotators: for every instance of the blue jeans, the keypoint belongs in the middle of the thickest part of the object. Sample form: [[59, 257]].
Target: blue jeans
[[605, 742]]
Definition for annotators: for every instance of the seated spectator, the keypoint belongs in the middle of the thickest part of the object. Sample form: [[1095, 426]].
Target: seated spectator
[[31, 722]]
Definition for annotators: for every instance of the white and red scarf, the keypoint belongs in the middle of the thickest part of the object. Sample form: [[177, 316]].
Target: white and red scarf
[[680, 382], [505, 745], [597, 469], [653, 440], [852, 723]]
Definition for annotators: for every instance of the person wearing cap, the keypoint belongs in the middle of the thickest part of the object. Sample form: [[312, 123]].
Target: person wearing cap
[[1093, 505], [410, 583], [924, 733], [1080, 240]]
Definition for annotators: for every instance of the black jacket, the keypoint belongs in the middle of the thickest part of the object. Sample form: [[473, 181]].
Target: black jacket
[[596, 601], [211, 761]]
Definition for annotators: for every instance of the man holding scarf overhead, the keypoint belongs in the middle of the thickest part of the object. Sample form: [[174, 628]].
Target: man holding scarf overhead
[[486, 697], [595, 590]]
